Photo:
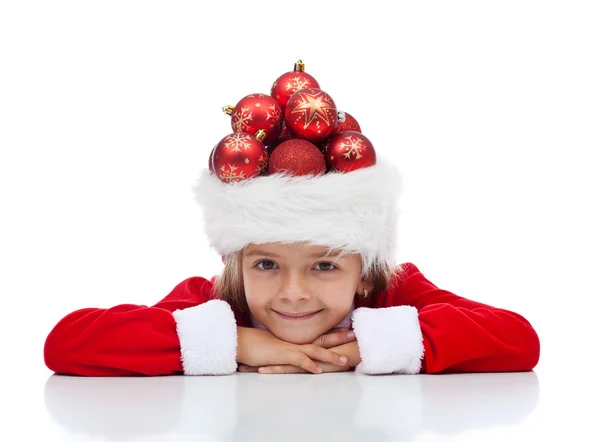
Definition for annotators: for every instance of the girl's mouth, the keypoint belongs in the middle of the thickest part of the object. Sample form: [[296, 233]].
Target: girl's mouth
[[297, 316]]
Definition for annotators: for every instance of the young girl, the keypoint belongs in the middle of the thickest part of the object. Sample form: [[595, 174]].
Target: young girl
[[309, 285]]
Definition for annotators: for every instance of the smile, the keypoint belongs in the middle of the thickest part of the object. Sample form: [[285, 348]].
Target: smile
[[297, 316]]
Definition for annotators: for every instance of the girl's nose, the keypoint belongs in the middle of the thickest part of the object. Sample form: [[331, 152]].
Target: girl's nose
[[294, 290]]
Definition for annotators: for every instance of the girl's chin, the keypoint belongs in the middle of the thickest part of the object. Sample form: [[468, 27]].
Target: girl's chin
[[296, 337]]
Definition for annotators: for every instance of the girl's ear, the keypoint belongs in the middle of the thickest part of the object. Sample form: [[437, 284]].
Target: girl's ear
[[365, 284]]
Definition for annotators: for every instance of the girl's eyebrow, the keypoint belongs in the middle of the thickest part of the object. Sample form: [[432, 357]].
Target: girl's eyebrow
[[259, 252]]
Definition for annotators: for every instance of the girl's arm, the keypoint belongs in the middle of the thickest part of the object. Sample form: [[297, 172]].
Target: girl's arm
[[187, 332], [418, 327]]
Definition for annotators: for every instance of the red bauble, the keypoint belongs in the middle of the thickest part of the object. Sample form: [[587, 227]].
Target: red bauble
[[285, 135], [257, 112], [297, 157], [239, 156], [346, 122], [291, 82], [311, 115], [211, 165], [348, 151]]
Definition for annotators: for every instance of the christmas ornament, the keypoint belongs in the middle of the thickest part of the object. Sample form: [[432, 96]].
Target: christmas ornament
[[348, 151], [311, 115], [346, 122], [211, 166], [240, 156], [257, 112], [291, 82], [297, 157], [285, 135]]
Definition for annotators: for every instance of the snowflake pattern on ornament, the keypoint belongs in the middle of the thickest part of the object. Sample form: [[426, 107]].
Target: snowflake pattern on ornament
[[231, 175], [296, 84], [353, 145], [240, 120], [263, 163], [274, 112], [237, 142]]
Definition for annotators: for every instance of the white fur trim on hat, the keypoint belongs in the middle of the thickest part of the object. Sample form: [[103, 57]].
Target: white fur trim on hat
[[208, 338], [355, 212], [389, 340]]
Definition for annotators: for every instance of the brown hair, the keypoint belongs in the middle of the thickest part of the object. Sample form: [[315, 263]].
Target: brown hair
[[229, 286]]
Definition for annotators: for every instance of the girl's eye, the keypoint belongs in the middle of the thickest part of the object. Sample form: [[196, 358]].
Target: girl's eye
[[326, 269], [269, 265]]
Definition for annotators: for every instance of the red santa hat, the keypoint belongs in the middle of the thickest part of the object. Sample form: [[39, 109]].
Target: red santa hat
[[315, 180]]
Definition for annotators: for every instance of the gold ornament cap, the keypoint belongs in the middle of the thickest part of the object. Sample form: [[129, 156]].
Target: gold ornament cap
[[261, 135]]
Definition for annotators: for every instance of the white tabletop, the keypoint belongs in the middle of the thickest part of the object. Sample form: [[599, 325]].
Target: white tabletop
[[329, 407]]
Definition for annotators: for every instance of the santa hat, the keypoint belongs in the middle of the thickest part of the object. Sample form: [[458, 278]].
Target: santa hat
[[355, 212], [291, 191]]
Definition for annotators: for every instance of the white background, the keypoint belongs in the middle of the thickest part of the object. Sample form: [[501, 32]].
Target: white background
[[109, 110]]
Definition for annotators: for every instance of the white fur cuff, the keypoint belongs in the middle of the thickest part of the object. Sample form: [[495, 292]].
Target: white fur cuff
[[389, 340], [208, 338]]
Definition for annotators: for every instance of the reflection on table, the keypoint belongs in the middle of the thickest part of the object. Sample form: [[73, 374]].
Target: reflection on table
[[249, 406]]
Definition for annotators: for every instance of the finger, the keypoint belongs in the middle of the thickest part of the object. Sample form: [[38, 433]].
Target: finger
[[281, 369], [286, 369], [339, 329], [334, 339], [323, 354], [301, 360], [351, 351], [247, 368], [332, 368]]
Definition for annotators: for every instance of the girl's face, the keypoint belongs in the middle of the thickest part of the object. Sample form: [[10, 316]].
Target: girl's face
[[297, 292]]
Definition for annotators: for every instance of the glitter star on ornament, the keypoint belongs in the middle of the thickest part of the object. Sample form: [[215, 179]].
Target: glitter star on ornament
[[312, 107]]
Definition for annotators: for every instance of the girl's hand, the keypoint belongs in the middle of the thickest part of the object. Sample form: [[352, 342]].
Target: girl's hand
[[350, 350], [259, 348], [335, 337]]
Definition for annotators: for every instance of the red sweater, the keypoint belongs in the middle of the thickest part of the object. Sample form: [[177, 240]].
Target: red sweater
[[413, 327]]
